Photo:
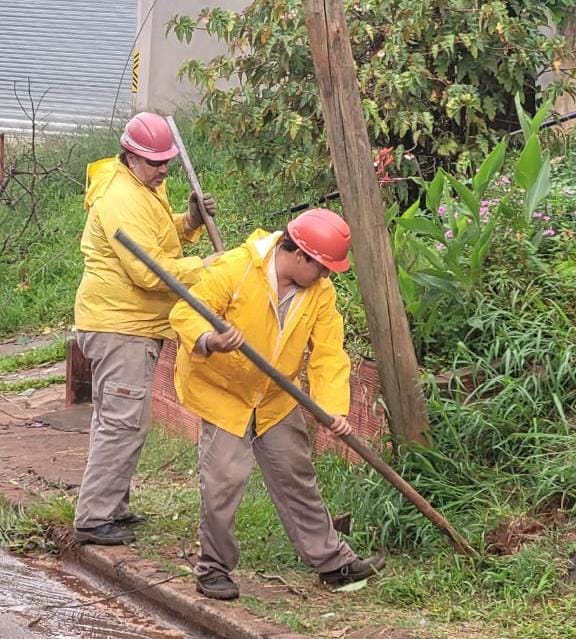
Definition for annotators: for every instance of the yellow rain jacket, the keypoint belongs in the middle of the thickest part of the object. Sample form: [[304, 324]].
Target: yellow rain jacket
[[119, 294], [224, 388]]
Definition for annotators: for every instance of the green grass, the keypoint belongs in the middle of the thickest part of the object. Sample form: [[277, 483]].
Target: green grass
[[519, 595], [28, 384], [54, 352]]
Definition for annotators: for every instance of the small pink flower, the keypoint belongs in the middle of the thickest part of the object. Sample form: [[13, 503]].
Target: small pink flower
[[505, 179], [442, 210], [546, 218], [484, 211], [449, 233], [439, 246], [485, 202], [537, 215], [549, 232]]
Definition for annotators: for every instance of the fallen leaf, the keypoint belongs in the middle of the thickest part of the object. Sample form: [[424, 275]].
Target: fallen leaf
[[357, 585]]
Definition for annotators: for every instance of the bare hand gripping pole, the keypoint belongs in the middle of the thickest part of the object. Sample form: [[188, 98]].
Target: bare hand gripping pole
[[195, 184], [459, 543]]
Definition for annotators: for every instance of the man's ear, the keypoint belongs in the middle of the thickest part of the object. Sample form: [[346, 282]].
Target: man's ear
[[130, 159]]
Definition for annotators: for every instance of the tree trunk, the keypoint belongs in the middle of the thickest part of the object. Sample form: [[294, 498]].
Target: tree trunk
[[364, 211]]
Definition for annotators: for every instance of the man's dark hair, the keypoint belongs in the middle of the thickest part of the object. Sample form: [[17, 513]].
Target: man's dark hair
[[288, 244], [122, 157]]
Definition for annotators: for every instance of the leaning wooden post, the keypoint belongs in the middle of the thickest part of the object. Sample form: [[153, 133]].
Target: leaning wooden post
[[364, 210]]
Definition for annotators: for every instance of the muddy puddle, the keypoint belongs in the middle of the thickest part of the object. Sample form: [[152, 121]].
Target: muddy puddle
[[37, 601]]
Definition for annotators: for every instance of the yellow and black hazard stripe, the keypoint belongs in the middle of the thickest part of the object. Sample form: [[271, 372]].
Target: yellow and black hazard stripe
[[135, 71]]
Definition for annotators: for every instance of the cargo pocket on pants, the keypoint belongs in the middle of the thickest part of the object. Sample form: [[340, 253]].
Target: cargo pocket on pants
[[122, 405]]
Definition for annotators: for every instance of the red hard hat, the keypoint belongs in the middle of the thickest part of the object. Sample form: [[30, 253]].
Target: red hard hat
[[148, 135], [323, 235]]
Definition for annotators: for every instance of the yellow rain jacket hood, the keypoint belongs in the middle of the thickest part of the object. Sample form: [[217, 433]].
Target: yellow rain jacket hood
[[225, 388], [118, 293]]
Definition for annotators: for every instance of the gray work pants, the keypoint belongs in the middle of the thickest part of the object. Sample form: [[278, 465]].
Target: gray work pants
[[283, 454], [122, 374]]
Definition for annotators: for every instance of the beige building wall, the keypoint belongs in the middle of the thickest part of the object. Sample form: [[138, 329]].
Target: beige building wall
[[159, 56], [565, 103]]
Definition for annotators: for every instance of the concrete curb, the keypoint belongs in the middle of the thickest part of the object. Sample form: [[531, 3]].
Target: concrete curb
[[178, 596]]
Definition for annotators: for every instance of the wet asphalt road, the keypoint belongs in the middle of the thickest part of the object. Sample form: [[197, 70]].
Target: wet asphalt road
[[37, 600]]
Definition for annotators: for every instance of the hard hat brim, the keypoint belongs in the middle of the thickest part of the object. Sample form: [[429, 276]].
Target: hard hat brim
[[336, 266], [170, 154]]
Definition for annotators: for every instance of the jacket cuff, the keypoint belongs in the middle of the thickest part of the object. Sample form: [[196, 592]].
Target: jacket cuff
[[201, 346], [192, 236]]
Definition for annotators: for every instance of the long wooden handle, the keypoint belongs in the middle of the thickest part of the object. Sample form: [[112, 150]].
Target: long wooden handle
[[195, 184], [459, 542]]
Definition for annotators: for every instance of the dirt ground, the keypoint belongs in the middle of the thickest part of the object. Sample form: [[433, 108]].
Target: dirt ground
[[42, 445]]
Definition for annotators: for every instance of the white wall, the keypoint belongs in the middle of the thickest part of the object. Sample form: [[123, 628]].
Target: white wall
[[160, 57]]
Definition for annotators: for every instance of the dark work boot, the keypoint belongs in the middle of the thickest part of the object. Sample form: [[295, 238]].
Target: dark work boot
[[217, 585], [354, 571], [106, 535], [130, 520]]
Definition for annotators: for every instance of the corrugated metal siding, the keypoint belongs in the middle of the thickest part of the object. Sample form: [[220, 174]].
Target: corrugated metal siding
[[74, 54]]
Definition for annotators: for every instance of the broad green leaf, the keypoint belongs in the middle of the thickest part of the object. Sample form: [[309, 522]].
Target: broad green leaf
[[422, 226], [529, 163], [390, 213], [422, 183], [436, 279], [431, 256], [411, 210], [489, 168], [481, 248], [541, 114], [409, 213], [434, 192], [523, 118], [468, 198], [409, 290], [539, 189]]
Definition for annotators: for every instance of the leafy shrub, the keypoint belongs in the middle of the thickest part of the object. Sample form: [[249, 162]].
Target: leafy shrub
[[437, 80], [463, 236]]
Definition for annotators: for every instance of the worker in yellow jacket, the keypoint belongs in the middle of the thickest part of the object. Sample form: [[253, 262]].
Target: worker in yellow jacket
[[273, 291], [121, 313]]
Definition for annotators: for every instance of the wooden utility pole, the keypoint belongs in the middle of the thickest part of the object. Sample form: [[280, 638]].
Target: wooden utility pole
[[364, 210]]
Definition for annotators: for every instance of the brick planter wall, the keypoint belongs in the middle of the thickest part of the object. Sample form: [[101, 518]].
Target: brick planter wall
[[366, 415]]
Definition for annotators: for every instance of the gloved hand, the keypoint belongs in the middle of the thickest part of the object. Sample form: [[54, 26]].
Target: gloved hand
[[193, 218]]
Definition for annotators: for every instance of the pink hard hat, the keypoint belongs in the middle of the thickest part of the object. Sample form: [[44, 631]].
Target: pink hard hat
[[149, 136], [323, 235]]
